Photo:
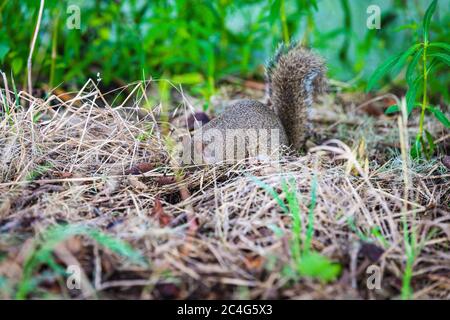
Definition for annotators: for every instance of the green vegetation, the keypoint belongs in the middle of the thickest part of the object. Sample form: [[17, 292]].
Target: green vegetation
[[200, 45], [42, 253], [76, 168], [306, 262], [419, 70]]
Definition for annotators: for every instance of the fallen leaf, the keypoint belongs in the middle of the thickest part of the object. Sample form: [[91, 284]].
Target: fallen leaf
[[254, 262], [158, 212], [65, 175], [140, 168], [165, 180]]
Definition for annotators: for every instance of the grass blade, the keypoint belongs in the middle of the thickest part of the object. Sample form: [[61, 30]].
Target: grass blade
[[272, 192]]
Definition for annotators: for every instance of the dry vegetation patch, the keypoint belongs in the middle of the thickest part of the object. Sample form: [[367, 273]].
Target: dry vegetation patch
[[140, 227]]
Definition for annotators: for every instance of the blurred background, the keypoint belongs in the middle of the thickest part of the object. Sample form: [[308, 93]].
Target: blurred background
[[202, 43]]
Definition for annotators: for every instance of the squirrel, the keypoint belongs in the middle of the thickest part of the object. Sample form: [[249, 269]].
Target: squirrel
[[294, 77]]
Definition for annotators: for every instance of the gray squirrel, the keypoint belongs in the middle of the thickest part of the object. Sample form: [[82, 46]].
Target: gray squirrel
[[295, 77]]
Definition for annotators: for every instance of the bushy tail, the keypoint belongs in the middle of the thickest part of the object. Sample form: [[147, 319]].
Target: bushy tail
[[295, 77]]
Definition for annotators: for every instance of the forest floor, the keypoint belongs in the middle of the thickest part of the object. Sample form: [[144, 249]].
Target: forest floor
[[85, 181]]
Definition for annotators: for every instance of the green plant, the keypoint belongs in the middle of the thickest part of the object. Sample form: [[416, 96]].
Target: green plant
[[211, 40], [423, 59], [307, 263], [409, 229], [374, 233], [42, 253], [410, 241], [39, 171]]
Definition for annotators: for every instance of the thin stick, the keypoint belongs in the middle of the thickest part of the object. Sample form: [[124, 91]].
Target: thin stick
[[33, 43]]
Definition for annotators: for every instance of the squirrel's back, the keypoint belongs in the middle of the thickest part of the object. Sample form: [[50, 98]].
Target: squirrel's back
[[248, 128], [247, 114]]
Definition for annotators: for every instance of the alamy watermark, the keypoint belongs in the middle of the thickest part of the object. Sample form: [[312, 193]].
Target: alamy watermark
[[373, 281], [374, 19], [74, 277], [73, 20]]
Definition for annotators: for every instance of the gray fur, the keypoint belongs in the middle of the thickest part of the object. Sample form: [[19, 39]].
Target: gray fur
[[295, 76]]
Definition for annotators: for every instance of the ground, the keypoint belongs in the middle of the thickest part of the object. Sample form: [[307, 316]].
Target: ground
[[86, 181]]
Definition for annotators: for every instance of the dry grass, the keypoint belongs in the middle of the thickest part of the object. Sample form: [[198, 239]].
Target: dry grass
[[210, 233]]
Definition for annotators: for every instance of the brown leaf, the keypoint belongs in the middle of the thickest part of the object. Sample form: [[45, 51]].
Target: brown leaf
[[63, 95], [254, 262], [64, 175], [158, 212], [184, 193], [373, 110], [140, 168], [165, 180]]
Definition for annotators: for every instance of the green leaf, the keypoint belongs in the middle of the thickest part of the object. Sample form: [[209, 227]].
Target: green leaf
[[416, 149], [411, 95], [402, 60], [441, 56], [439, 115], [312, 205], [441, 45], [4, 49], [424, 148], [412, 65], [274, 11], [434, 62], [382, 70], [431, 145], [38, 171], [427, 19], [272, 192], [43, 248], [392, 109], [318, 266], [394, 63], [17, 65]]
